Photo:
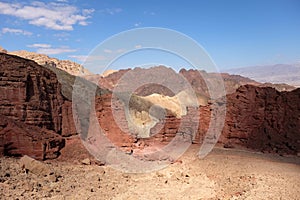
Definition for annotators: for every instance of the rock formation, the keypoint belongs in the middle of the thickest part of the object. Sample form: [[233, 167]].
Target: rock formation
[[18, 138], [36, 113], [31, 96], [263, 119], [44, 60]]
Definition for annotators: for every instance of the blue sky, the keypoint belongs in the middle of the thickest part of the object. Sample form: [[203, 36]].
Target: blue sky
[[234, 33]]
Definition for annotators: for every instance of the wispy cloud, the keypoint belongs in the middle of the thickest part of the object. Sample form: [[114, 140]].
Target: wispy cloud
[[54, 15], [80, 58], [137, 24], [89, 58], [49, 50], [64, 1], [52, 51], [61, 35], [39, 45], [110, 51], [111, 11], [107, 51], [15, 31]]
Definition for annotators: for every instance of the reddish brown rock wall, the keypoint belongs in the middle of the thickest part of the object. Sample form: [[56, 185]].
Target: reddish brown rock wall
[[31, 95], [263, 119], [17, 138]]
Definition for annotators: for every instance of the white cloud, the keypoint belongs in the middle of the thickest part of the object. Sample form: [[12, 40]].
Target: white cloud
[[80, 58], [52, 51], [39, 46], [55, 15], [49, 50], [89, 58], [16, 31], [87, 11], [111, 11], [109, 51]]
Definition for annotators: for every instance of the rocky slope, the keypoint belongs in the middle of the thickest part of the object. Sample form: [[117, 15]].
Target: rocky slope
[[44, 60]]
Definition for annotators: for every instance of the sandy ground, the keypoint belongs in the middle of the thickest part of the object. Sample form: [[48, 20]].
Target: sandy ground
[[223, 174]]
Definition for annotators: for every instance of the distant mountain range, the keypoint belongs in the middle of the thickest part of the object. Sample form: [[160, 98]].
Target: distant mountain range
[[281, 76], [279, 73]]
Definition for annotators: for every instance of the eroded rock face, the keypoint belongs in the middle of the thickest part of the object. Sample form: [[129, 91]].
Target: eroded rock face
[[35, 116], [263, 119], [31, 95], [257, 117], [18, 138]]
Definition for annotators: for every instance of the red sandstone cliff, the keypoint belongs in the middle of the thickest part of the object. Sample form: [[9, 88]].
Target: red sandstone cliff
[[263, 119], [31, 96], [36, 116]]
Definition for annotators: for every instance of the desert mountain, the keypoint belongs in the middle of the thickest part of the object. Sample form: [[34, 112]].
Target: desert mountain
[[44, 60], [195, 78], [280, 73], [37, 115]]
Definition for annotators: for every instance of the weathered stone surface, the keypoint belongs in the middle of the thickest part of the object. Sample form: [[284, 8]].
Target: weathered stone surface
[[259, 118], [31, 95], [263, 119], [113, 121], [18, 138]]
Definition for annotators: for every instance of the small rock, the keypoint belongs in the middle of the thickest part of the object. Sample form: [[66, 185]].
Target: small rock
[[34, 166], [86, 161]]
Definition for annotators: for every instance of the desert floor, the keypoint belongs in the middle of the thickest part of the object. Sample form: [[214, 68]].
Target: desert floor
[[223, 174]]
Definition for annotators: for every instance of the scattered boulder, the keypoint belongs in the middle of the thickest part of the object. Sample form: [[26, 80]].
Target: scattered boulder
[[36, 167], [86, 161]]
